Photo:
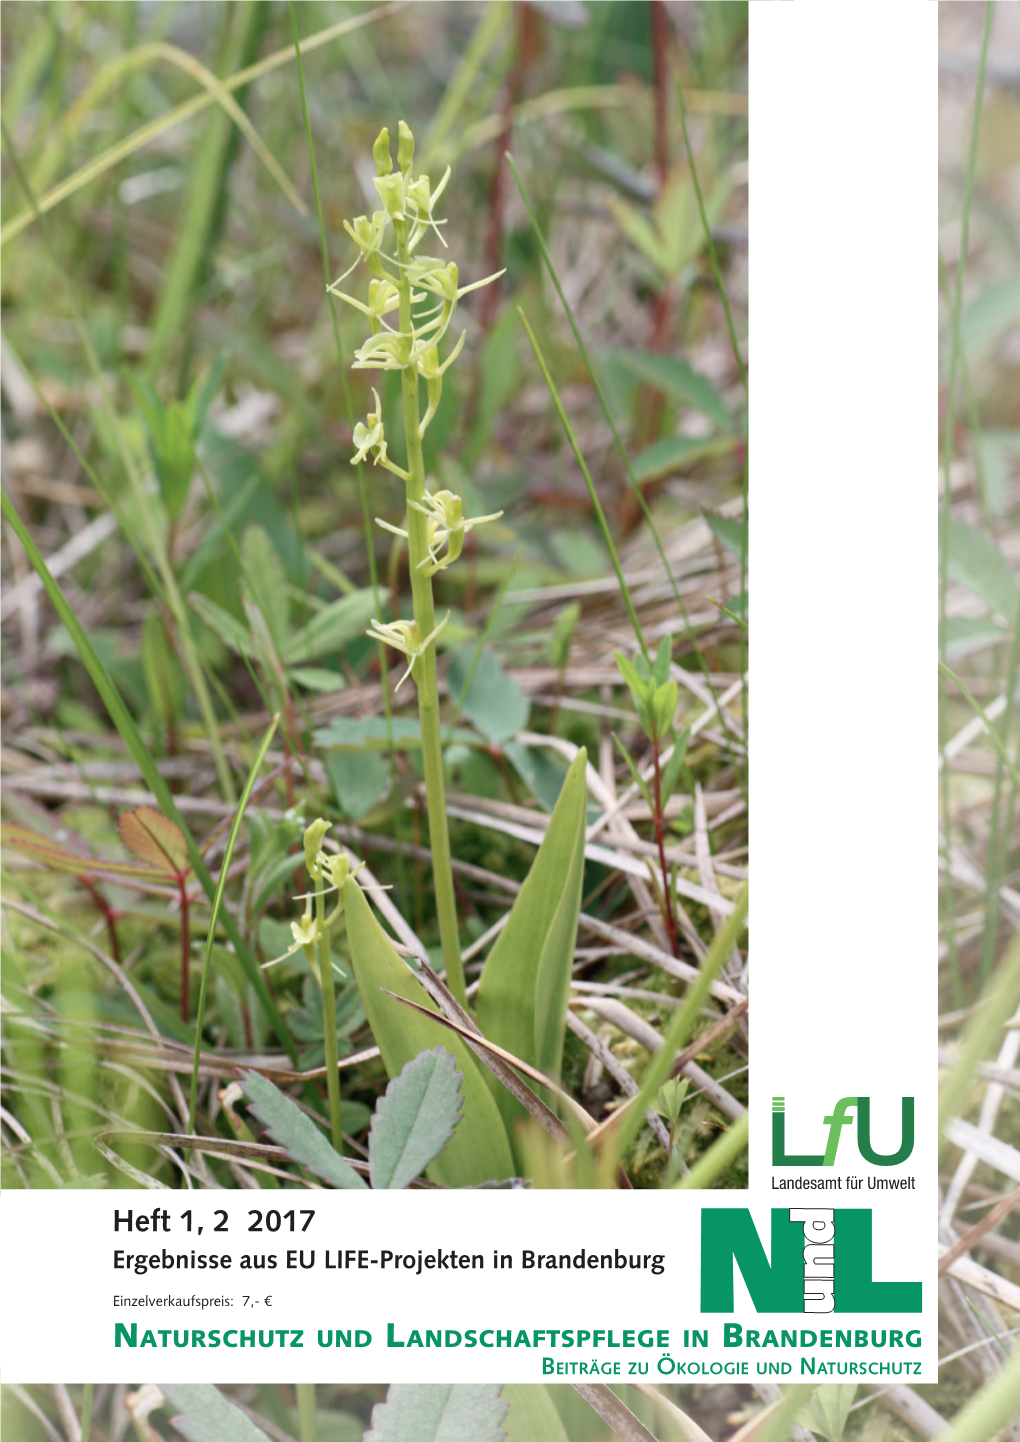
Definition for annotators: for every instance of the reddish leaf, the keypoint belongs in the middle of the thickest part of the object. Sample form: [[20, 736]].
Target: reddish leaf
[[156, 840], [58, 857]]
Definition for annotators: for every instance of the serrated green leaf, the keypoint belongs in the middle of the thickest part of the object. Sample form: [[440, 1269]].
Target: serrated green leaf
[[425, 1412], [494, 703], [522, 996], [415, 1119], [205, 1415], [672, 453], [297, 1134], [330, 629], [676, 378], [232, 632], [480, 1150], [533, 1416], [976, 562], [264, 584]]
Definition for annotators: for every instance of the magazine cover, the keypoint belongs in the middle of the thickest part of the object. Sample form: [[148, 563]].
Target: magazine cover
[[377, 740]]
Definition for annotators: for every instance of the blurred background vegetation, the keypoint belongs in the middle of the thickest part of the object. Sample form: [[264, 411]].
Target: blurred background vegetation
[[979, 846]]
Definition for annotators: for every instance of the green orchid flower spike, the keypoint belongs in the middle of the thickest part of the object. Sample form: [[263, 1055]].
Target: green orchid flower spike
[[411, 303]]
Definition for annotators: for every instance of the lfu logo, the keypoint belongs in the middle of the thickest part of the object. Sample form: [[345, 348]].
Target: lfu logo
[[820, 1262], [842, 1116]]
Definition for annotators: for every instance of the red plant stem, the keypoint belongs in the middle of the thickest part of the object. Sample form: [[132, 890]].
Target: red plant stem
[[108, 914], [660, 829], [528, 45], [185, 946]]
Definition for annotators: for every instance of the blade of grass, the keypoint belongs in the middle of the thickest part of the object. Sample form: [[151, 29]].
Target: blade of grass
[[988, 1410], [717, 273], [137, 59], [779, 1426], [947, 457], [621, 448], [125, 724], [217, 903], [993, 734], [203, 210], [600, 514], [174, 603], [720, 1154], [983, 1033], [682, 1023], [493, 20], [185, 111], [713, 258], [86, 1412]]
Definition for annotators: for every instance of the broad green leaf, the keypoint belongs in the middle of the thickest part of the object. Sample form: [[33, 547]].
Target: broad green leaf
[[522, 997], [676, 378], [966, 634], [317, 678], [427, 1412], [978, 564], [415, 1119], [205, 1415], [232, 632], [300, 1138], [533, 1416], [480, 1150], [731, 534], [359, 780], [155, 840], [330, 629], [541, 770], [673, 453], [986, 318], [264, 584], [369, 733], [494, 703]]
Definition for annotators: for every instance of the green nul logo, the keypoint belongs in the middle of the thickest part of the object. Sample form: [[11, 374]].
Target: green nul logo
[[842, 1116], [821, 1262]]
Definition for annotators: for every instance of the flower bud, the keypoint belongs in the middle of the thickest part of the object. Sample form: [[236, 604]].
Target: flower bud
[[313, 841], [391, 193], [381, 153], [405, 148]]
